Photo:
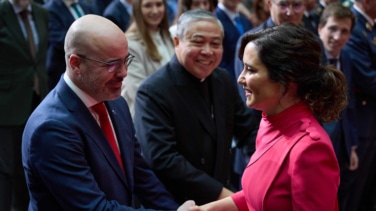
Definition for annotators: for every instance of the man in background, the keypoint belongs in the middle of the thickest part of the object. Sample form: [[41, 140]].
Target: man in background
[[362, 50], [62, 15], [335, 27], [187, 113], [23, 83]]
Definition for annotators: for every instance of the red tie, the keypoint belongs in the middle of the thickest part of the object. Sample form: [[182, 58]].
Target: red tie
[[105, 124]]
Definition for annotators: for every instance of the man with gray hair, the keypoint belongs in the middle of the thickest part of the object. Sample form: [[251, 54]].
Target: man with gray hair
[[187, 113]]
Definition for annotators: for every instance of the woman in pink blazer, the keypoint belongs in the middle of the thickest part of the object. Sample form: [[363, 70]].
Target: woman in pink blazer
[[294, 166]]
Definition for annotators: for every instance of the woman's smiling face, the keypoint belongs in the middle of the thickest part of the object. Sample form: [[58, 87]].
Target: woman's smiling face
[[261, 92]]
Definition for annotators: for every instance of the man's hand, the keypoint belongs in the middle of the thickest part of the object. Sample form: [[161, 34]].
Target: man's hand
[[186, 205]]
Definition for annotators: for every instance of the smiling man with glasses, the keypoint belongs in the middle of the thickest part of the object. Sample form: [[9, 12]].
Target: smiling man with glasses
[[79, 147]]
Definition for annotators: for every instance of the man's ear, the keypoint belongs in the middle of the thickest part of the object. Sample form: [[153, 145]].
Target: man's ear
[[176, 41], [75, 63]]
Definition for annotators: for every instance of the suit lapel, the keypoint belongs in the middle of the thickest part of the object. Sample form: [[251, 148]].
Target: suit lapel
[[217, 89], [123, 135], [273, 158], [227, 22], [10, 19], [192, 98], [275, 154], [92, 129], [39, 25]]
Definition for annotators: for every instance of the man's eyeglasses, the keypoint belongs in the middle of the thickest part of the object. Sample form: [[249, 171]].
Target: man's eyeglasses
[[297, 6], [112, 65]]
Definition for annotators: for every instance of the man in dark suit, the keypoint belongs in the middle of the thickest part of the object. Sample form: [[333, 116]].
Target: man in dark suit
[[23, 83], [62, 15], [119, 12], [187, 113], [98, 6], [70, 164], [235, 24], [362, 50], [335, 27]]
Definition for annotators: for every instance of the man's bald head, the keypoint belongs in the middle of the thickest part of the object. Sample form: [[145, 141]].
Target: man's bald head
[[94, 46], [88, 33]]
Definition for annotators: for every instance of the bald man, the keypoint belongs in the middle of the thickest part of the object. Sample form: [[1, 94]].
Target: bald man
[[68, 161]]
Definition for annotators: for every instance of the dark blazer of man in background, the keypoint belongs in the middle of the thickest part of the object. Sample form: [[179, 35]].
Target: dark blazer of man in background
[[61, 17], [119, 12], [20, 92]]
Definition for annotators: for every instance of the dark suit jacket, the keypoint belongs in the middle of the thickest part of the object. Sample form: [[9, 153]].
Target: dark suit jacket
[[17, 66], [362, 49], [118, 14], [60, 21], [309, 23], [315, 15], [188, 150], [69, 164], [343, 132], [231, 37], [100, 5]]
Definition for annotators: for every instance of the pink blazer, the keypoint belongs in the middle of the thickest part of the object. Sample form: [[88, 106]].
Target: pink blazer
[[298, 172]]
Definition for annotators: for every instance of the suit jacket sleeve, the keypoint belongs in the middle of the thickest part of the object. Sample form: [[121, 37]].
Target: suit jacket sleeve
[[63, 159], [362, 49]]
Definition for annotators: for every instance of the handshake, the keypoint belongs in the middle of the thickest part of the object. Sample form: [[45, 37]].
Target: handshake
[[189, 205]]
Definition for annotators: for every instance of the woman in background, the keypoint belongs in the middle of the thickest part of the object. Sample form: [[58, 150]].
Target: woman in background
[[294, 166], [149, 40]]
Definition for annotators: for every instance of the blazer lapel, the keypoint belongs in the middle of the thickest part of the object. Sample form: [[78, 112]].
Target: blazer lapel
[[276, 148], [92, 129], [124, 138], [41, 30], [275, 154], [217, 89], [10, 19], [192, 98]]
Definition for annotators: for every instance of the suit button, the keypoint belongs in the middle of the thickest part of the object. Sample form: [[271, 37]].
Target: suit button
[[203, 161]]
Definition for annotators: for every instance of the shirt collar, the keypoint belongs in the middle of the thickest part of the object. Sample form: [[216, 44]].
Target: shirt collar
[[329, 56], [69, 3], [229, 13], [18, 9]]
